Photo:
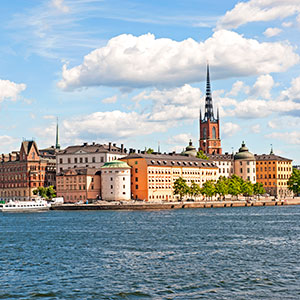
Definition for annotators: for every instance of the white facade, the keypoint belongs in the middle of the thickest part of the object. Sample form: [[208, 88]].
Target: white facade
[[245, 169], [115, 184], [87, 156]]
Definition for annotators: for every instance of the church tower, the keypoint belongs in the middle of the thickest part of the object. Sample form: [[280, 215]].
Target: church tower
[[209, 141], [57, 145]]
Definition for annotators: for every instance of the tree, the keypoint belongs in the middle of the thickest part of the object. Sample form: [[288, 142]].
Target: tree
[[200, 154], [222, 186], [149, 151], [180, 187], [194, 189], [234, 186], [45, 192], [294, 182], [247, 188], [258, 188], [208, 188]]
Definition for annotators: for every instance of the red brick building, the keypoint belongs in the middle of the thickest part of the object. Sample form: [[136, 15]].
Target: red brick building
[[209, 141], [22, 172]]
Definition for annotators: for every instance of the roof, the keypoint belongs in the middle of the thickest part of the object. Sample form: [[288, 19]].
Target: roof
[[244, 153], [27, 145], [220, 157], [116, 164], [92, 148], [261, 157], [80, 171], [172, 160], [190, 150]]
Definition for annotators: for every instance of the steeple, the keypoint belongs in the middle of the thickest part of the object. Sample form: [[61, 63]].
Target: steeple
[[57, 145], [271, 152], [209, 112]]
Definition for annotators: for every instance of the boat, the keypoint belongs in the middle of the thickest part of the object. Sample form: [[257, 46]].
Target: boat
[[25, 206]]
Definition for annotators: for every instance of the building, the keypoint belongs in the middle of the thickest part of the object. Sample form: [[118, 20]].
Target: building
[[244, 164], [87, 156], [153, 175], [209, 141], [78, 185], [115, 181], [273, 172], [22, 171], [225, 163]]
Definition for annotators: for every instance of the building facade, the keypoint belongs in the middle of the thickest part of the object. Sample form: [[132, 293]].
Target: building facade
[[22, 172], [87, 156], [153, 175], [115, 181], [78, 185], [209, 141], [273, 172]]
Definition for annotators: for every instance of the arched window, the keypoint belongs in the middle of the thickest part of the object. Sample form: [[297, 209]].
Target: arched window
[[214, 132], [204, 133]]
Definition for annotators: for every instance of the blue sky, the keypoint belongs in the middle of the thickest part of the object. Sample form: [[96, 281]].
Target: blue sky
[[133, 72]]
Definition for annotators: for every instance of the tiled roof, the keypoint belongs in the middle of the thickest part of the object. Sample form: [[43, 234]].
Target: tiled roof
[[271, 157], [92, 148], [80, 171], [220, 157]]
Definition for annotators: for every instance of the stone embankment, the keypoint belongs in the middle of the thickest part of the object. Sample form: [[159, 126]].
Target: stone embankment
[[174, 205]]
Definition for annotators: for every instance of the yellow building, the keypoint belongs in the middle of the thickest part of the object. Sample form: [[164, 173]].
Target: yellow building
[[153, 175], [273, 172]]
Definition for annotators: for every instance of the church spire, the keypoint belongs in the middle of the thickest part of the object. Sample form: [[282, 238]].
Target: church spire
[[57, 145], [209, 113]]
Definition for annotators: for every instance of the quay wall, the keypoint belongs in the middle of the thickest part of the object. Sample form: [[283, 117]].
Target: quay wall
[[170, 205]]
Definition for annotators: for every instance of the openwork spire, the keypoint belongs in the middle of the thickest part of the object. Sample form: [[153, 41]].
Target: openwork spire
[[209, 112], [57, 145]]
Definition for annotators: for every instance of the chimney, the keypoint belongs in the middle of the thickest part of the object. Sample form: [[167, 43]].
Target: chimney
[[114, 144], [85, 144], [125, 150], [109, 146], [133, 150], [93, 143], [122, 148], [139, 151]]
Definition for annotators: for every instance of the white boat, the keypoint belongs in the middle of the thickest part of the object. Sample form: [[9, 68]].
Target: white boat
[[25, 206]]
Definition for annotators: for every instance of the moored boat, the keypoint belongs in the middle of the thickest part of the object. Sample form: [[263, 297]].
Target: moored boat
[[24, 206]]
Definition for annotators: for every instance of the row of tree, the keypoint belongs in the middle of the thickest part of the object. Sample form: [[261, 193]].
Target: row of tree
[[233, 186], [294, 182], [45, 192]]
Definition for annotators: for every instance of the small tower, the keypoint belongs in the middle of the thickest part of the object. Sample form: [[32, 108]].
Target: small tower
[[209, 141], [57, 145]]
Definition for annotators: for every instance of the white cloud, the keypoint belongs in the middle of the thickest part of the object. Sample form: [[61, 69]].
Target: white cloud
[[293, 92], [258, 10], [59, 4], [263, 86], [181, 139], [115, 124], [287, 24], [289, 137], [236, 88], [112, 99], [135, 62], [256, 128], [6, 140], [10, 90], [272, 124], [49, 117], [230, 129], [272, 31]]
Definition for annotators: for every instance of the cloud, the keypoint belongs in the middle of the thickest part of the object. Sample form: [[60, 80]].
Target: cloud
[[181, 139], [112, 99], [293, 92], [230, 129], [59, 4], [116, 124], [10, 90], [263, 86], [49, 117], [258, 10], [255, 128], [143, 61], [6, 141], [236, 88], [272, 124], [289, 137], [270, 32], [287, 24]]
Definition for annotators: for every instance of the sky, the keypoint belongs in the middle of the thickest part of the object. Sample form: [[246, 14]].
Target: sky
[[133, 72]]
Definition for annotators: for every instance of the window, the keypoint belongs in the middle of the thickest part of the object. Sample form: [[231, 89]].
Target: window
[[80, 159], [123, 186], [248, 170], [92, 179], [214, 132], [111, 186], [111, 179], [123, 178], [136, 170], [136, 179], [241, 170], [136, 162], [136, 187], [86, 159], [60, 161], [93, 159], [75, 160], [204, 133], [69, 160], [101, 159]]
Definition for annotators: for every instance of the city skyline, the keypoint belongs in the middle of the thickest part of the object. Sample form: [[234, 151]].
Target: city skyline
[[134, 72]]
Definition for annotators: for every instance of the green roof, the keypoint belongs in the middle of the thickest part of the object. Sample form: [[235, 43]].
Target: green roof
[[244, 154], [116, 164]]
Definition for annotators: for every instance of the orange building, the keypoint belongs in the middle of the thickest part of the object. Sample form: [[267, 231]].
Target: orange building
[[153, 175], [273, 172], [22, 171], [76, 185]]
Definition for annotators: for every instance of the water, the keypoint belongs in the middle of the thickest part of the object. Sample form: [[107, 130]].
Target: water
[[226, 253]]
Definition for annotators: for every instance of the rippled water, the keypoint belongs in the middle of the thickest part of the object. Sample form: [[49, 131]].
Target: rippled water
[[226, 253]]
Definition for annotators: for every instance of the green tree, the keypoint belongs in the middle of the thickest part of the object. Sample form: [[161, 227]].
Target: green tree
[[234, 186], [50, 192], [149, 151], [294, 182], [247, 188], [194, 189], [258, 188], [208, 188], [200, 154], [222, 186], [180, 187], [45, 192]]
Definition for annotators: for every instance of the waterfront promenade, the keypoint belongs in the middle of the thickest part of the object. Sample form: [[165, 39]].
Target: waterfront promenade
[[175, 205]]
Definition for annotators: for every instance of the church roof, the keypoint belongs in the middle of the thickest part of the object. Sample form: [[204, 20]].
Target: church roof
[[244, 153]]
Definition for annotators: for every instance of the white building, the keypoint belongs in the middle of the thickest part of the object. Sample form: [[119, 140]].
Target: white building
[[87, 156], [245, 164], [224, 162], [115, 181]]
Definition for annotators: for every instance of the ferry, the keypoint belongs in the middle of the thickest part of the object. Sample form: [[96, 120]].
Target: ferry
[[24, 206]]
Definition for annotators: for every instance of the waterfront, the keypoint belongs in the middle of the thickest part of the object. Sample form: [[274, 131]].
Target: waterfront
[[222, 253]]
